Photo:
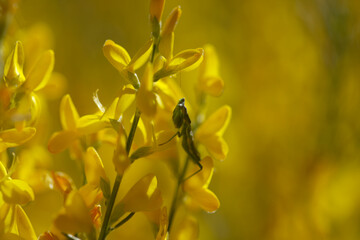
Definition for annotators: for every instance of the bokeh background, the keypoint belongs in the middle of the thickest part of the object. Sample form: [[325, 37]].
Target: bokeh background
[[292, 75]]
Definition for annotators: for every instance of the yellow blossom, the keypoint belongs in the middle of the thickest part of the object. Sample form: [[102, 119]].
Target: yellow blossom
[[143, 196], [121, 60], [145, 98], [13, 137], [13, 70], [74, 126], [210, 133], [186, 229], [197, 187], [209, 80], [75, 216]]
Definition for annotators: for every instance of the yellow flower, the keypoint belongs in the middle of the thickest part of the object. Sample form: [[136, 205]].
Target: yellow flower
[[13, 137], [13, 220], [121, 60], [145, 98], [197, 187], [74, 126], [14, 191], [185, 60], [14, 224], [186, 229], [75, 216], [156, 9], [13, 70], [163, 222], [210, 133], [94, 168], [209, 80], [143, 196]]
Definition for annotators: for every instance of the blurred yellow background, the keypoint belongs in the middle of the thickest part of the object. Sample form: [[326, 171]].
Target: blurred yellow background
[[291, 70]]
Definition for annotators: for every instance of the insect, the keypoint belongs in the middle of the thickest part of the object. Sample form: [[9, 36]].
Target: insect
[[182, 122]]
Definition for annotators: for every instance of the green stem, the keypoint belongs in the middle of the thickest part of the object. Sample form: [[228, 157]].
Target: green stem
[[173, 204], [132, 130], [128, 217], [104, 228]]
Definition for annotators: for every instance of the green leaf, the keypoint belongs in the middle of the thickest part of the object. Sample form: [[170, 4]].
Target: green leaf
[[142, 152], [105, 188]]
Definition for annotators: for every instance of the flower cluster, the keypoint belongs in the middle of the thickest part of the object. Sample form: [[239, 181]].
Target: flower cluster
[[163, 146]]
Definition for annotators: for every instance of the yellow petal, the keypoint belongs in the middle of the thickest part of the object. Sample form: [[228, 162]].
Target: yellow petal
[[7, 219], [63, 183], [110, 111], [125, 100], [206, 199], [210, 65], [89, 124], [116, 55], [146, 103], [201, 179], [3, 172], [41, 72], [216, 146], [24, 226], [48, 236], [213, 86], [145, 98], [121, 160], [187, 229], [75, 217], [156, 8], [166, 46], [91, 195], [171, 21], [94, 168], [141, 56], [216, 124], [14, 137], [16, 191], [60, 141], [143, 196], [13, 69], [187, 59], [68, 113], [163, 229]]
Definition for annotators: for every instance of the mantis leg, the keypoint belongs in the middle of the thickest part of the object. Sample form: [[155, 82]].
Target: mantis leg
[[176, 134], [200, 168]]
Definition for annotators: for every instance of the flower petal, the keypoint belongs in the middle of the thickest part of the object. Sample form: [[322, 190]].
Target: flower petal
[[60, 141], [116, 55], [14, 137], [89, 124], [143, 196], [216, 146], [206, 199], [171, 21], [141, 56], [216, 124], [16, 191], [94, 168], [41, 72], [13, 69], [68, 113], [75, 217], [24, 227], [187, 229], [213, 86]]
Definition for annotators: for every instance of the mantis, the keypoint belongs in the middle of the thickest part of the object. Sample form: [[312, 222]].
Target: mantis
[[182, 122]]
